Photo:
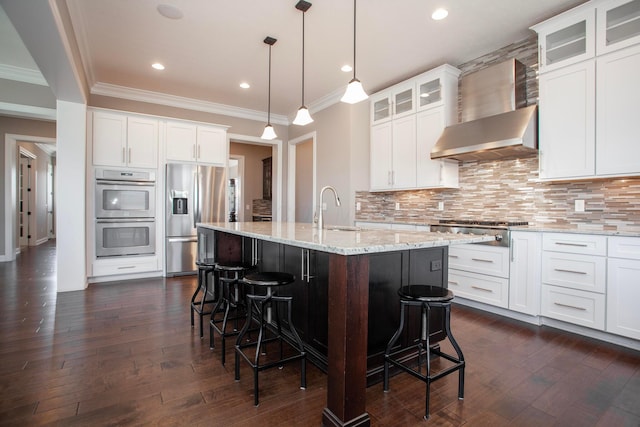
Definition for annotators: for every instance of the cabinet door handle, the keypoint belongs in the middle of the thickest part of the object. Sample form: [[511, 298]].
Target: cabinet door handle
[[482, 289], [570, 306], [124, 155], [198, 151], [540, 57], [481, 260], [194, 151], [580, 245], [570, 271], [302, 251], [129, 154], [512, 247], [393, 177]]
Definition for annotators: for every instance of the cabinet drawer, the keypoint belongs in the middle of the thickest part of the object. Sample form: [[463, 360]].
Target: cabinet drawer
[[582, 272], [575, 243], [113, 267], [481, 259], [573, 306], [486, 289], [624, 247]]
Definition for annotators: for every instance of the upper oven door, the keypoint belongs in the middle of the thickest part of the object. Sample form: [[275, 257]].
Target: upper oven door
[[125, 199]]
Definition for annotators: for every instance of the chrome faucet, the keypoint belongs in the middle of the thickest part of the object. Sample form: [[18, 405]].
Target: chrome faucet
[[335, 194]]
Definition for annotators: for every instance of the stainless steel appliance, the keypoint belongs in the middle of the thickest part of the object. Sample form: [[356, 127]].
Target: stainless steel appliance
[[125, 194], [194, 194], [499, 229], [125, 210], [125, 237]]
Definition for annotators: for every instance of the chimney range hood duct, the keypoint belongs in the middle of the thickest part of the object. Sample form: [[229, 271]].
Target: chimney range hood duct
[[495, 122]]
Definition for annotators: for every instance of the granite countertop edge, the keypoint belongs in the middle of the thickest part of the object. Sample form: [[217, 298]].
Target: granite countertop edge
[[343, 242], [547, 228]]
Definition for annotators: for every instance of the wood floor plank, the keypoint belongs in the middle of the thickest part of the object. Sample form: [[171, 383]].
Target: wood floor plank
[[124, 353]]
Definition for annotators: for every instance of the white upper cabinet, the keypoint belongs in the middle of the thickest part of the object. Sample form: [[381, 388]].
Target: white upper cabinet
[[566, 39], [188, 142], [406, 121], [567, 122], [121, 140], [618, 25], [617, 113]]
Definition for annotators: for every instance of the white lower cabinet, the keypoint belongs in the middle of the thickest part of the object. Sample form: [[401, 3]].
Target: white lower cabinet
[[524, 272], [623, 287], [480, 273], [118, 266], [573, 306], [574, 278]]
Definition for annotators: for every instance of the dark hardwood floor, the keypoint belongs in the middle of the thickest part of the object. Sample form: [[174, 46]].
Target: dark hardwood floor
[[124, 354]]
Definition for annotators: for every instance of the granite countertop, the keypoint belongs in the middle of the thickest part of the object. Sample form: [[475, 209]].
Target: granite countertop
[[632, 231], [342, 240]]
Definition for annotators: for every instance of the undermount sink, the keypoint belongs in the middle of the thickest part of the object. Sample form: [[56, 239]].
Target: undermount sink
[[343, 228]]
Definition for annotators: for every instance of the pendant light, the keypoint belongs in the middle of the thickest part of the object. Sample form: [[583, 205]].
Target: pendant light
[[303, 117], [354, 93], [268, 132]]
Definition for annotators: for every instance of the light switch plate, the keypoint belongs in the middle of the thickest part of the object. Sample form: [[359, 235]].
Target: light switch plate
[[440, 206], [358, 206], [579, 205]]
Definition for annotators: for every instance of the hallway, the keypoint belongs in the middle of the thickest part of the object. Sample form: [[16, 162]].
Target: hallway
[[124, 354]]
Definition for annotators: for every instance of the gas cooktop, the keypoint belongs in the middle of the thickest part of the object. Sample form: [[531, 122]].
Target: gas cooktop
[[482, 223]]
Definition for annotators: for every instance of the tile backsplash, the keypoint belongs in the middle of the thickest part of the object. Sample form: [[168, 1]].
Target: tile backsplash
[[510, 189]]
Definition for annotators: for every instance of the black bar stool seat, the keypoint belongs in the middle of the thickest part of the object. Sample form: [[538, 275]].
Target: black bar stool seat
[[260, 308], [426, 297], [231, 298], [205, 268]]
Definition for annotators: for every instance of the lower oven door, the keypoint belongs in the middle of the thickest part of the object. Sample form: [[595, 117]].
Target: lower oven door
[[125, 237]]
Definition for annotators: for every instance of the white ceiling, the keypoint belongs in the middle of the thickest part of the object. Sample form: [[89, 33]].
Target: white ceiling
[[219, 43]]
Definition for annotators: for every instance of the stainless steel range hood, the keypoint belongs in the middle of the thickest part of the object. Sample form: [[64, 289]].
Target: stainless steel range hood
[[495, 122]]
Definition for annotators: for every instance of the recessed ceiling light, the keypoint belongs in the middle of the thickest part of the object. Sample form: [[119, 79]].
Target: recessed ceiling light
[[169, 11], [439, 14], [245, 85], [346, 68], [158, 66]]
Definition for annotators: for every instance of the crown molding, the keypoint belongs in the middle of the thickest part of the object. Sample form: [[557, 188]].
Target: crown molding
[[20, 74], [27, 111], [132, 94]]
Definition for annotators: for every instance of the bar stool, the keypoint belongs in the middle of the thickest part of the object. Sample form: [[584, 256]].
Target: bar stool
[[231, 291], [205, 268], [263, 305], [426, 297]]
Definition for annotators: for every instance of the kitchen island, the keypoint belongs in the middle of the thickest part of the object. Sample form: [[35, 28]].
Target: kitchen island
[[349, 273]]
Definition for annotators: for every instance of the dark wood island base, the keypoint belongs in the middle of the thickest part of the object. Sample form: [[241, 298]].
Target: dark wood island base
[[341, 279]]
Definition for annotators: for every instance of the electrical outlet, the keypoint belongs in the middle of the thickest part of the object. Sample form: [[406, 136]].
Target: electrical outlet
[[358, 206], [440, 206], [436, 265], [579, 206], [397, 206]]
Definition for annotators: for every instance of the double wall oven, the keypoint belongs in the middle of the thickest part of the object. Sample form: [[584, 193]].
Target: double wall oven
[[125, 209]]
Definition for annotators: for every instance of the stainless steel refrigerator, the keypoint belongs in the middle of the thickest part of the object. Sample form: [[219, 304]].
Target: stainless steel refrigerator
[[194, 194]]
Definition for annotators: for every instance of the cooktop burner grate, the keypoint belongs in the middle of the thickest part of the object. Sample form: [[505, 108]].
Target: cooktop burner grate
[[483, 223]]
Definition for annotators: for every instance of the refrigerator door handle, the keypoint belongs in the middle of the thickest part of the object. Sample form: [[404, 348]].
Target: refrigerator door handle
[[196, 201], [182, 239]]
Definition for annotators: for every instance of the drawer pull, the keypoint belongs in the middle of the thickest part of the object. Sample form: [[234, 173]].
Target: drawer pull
[[570, 271], [481, 260], [126, 267], [451, 282], [580, 245], [453, 256], [570, 306], [482, 289]]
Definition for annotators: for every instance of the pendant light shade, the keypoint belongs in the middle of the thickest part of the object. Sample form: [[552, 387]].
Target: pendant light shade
[[303, 117], [269, 133], [355, 92]]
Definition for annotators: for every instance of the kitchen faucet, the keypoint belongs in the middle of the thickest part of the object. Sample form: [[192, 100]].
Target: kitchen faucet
[[335, 194]]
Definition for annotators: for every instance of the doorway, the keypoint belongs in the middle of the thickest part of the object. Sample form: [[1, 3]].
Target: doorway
[[301, 200], [235, 188], [26, 197]]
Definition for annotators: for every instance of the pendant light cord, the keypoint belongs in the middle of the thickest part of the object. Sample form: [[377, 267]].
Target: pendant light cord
[[354, 39], [269, 97], [303, 58]]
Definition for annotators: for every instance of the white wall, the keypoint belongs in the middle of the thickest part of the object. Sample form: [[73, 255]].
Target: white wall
[[71, 199]]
